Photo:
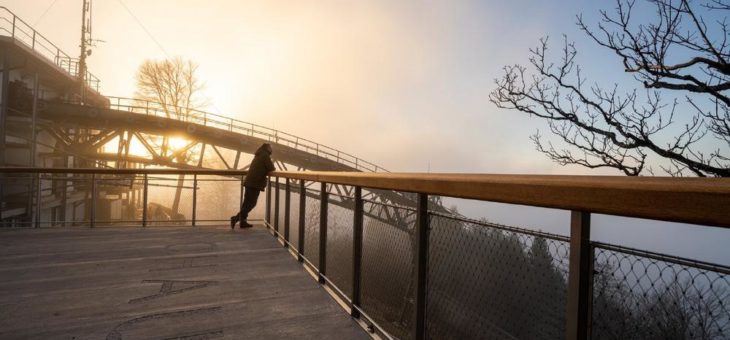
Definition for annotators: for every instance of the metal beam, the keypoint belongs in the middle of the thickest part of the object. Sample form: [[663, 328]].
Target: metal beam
[[221, 157], [4, 97]]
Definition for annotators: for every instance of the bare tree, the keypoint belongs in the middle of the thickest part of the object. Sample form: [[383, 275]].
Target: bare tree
[[683, 54], [172, 86]]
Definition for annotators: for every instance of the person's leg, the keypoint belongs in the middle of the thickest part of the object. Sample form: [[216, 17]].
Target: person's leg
[[248, 203], [250, 198]]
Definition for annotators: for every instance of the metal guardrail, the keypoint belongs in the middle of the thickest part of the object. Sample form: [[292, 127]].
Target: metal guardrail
[[532, 285], [452, 277], [20, 31], [245, 128], [46, 188]]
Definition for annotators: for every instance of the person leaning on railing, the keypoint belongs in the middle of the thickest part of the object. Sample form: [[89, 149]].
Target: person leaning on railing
[[254, 184]]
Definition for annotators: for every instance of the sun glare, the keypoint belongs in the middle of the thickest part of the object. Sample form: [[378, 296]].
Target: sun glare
[[177, 143]]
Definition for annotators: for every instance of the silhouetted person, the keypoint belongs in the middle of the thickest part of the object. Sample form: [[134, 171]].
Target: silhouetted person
[[255, 183]]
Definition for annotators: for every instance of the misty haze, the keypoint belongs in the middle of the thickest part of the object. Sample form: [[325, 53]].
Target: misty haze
[[353, 170]]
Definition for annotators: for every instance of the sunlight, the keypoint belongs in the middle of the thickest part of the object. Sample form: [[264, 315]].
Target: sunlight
[[136, 148], [177, 143]]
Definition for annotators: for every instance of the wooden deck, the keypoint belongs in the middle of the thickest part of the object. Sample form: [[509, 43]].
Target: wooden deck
[[161, 283]]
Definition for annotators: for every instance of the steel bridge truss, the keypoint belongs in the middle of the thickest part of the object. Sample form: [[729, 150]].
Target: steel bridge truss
[[116, 138]]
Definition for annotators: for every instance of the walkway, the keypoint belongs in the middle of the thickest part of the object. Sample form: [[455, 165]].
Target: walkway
[[162, 283]]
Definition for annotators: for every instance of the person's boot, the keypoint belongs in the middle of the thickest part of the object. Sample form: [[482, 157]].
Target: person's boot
[[234, 219], [245, 224]]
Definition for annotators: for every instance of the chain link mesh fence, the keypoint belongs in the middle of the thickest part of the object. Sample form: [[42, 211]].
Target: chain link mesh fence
[[388, 267], [218, 198], [340, 217], [18, 192], [495, 282], [118, 199], [281, 192], [311, 225], [294, 214], [169, 200], [643, 295], [59, 200]]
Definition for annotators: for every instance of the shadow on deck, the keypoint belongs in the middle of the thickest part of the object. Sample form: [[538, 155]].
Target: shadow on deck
[[132, 283]]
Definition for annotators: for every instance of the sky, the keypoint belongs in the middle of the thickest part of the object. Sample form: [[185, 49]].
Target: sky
[[362, 76], [402, 84]]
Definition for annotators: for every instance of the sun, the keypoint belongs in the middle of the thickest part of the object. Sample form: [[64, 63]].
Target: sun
[[177, 143], [136, 148]]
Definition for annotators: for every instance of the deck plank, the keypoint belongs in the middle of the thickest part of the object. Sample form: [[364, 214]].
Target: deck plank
[[161, 282]]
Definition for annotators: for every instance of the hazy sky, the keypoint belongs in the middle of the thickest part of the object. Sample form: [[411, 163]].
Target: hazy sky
[[366, 77], [403, 84]]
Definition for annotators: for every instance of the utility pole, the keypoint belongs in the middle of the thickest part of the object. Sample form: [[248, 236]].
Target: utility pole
[[85, 42]]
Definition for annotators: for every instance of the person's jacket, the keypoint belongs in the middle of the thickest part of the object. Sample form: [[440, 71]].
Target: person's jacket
[[261, 165]]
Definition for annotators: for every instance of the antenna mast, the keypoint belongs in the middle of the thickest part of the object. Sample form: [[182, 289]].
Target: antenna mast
[[85, 43]]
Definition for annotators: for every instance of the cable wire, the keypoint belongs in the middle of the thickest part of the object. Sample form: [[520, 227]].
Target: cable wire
[[121, 2], [44, 13]]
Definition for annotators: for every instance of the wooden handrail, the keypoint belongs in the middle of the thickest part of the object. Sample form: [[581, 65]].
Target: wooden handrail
[[703, 201], [691, 200]]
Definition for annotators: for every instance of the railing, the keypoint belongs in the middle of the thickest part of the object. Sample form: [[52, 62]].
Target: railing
[[432, 275], [20, 31], [237, 126], [442, 276], [37, 197]]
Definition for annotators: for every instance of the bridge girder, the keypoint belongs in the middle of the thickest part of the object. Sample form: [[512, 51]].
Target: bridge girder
[[84, 131]]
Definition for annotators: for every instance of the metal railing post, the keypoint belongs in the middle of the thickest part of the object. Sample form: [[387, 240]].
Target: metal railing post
[[287, 205], [276, 208], [93, 201], [324, 199], [357, 232], [302, 207], [268, 203], [38, 201], [144, 201], [578, 311], [195, 197], [421, 246]]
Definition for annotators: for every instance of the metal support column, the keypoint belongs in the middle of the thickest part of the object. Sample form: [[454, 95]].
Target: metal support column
[[195, 198], [38, 200], [302, 208], [144, 201], [34, 120], [287, 204], [268, 203], [276, 208], [357, 232], [92, 218], [64, 193], [579, 277], [324, 199], [4, 104], [421, 246]]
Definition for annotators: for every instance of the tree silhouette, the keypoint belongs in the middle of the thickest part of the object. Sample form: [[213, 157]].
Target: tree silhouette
[[172, 86], [683, 52]]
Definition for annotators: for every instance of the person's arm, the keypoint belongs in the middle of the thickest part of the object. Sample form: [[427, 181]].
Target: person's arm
[[269, 165]]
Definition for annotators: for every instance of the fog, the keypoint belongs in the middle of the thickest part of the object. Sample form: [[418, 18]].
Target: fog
[[401, 84]]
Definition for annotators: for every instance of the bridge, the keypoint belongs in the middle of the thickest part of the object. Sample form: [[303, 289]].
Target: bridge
[[102, 240]]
